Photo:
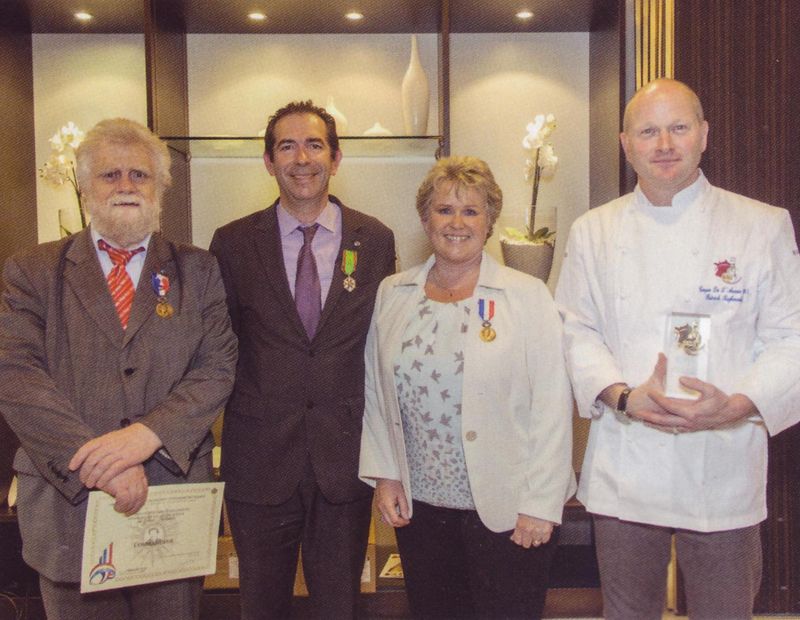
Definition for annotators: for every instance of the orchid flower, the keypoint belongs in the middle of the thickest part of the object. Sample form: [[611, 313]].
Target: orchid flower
[[541, 161], [60, 166]]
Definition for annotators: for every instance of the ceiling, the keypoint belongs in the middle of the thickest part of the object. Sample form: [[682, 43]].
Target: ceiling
[[315, 16]]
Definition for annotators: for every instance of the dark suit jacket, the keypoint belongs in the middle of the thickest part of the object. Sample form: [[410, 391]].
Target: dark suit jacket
[[69, 372], [294, 397]]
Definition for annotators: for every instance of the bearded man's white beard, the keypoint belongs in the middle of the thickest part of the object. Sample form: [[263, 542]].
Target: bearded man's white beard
[[125, 226]]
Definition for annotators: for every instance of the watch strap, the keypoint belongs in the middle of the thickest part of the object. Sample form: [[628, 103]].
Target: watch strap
[[622, 401]]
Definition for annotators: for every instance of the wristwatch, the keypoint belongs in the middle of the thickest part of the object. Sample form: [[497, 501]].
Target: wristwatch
[[622, 402]]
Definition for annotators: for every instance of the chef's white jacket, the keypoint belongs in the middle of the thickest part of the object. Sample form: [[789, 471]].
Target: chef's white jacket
[[629, 265]]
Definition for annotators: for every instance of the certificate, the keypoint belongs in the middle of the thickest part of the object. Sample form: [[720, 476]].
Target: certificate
[[687, 342], [173, 536]]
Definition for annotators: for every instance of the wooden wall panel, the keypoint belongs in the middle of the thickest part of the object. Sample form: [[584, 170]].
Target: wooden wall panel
[[606, 96], [18, 166], [743, 59], [168, 105]]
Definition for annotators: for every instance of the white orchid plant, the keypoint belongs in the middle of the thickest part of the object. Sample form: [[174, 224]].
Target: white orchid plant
[[60, 166], [541, 163]]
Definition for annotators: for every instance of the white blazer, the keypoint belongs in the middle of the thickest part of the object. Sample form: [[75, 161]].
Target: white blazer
[[516, 409]]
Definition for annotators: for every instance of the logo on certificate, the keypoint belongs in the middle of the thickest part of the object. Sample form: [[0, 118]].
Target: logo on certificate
[[104, 570]]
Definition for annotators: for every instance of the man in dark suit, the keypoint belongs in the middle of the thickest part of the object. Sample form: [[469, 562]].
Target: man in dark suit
[[109, 385], [301, 278]]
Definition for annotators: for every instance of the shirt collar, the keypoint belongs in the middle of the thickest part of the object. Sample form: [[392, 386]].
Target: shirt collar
[[683, 198], [327, 219], [97, 236]]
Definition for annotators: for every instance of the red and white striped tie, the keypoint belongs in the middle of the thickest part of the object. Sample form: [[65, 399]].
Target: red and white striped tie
[[119, 282]]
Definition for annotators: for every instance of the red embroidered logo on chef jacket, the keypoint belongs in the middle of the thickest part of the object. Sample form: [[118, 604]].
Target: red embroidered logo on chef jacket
[[726, 271]]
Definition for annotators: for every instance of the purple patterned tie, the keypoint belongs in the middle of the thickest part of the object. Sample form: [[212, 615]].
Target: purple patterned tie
[[307, 290]]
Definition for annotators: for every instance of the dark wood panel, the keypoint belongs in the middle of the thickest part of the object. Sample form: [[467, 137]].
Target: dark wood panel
[[318, 16], [444, 79], [743, 59], [59, 15], [168, 105], [500, 15], [606, 95], [18, 165]]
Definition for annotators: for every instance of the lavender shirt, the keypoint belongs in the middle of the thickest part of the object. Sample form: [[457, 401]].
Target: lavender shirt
[[326, 244]]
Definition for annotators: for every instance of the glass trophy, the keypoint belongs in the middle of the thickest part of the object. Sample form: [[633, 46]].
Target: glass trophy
[[686, 347]]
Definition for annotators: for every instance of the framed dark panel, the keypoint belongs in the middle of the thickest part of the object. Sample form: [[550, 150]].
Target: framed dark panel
[[743, 59], [168, 105], [18, 163], [606, 101]]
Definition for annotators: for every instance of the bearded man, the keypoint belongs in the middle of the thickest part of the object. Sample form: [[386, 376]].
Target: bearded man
[[116, 355]]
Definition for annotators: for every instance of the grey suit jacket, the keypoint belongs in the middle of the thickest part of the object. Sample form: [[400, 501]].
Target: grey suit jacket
[[69, 372], [296, 398]]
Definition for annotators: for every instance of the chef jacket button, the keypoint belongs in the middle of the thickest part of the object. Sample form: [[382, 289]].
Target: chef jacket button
[[471, 435], [310, 404], [129, 371]]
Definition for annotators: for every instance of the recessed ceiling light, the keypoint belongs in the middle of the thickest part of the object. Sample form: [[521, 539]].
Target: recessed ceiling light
[[83, 16], [525, 14], [257, 16], [354, 16]]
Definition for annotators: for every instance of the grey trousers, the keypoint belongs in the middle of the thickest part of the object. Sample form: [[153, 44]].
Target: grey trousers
[[175, 600], [721, 570]]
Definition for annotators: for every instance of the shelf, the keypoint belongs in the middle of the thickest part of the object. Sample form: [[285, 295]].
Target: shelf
[[351, 146]]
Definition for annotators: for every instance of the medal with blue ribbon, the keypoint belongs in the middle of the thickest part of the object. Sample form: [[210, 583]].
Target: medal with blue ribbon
[[486, 312], [160, 283], [349, 262]]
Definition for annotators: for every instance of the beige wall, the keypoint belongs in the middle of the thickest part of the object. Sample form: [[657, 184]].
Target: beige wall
[[81, 78], [498, 84]]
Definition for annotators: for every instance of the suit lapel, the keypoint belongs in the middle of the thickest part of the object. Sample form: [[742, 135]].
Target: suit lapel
[[269, 249], [351, 231], [159, 260], [84, 276]]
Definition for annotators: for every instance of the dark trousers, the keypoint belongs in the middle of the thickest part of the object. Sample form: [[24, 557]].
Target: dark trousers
[[334, 543], [455, 567]]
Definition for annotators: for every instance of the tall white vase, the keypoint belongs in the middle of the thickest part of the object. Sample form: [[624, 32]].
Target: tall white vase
[[415, 95]]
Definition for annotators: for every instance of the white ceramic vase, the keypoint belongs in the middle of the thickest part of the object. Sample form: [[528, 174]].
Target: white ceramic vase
[[341, 119], [415, 95]]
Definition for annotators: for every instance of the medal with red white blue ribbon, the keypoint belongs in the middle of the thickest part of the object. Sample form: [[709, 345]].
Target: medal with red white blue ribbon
[[486, 312], [160, 283]]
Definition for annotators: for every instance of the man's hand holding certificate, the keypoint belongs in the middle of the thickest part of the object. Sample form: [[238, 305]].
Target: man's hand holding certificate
[[173, 536]]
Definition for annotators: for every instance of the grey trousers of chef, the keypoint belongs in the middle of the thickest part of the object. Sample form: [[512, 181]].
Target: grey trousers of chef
[[721, 570]]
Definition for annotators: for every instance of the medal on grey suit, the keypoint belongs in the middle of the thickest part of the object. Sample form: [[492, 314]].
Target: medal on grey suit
[[349, 261], [160, 283]]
